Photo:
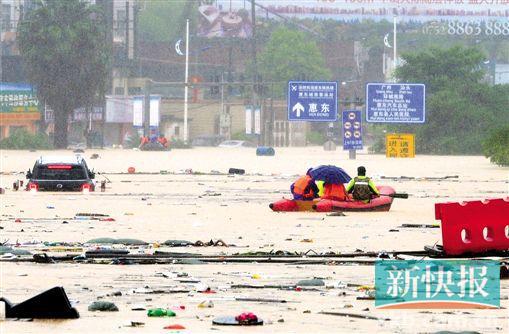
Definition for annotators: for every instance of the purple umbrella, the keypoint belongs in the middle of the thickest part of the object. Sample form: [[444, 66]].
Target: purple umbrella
[[330, 174]]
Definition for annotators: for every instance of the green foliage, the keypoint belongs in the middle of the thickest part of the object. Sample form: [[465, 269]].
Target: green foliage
[[164, 21], [291, 55], [21, 139], [460, 108], [439, 68], [496, 146], [65, 53], [315, 138]]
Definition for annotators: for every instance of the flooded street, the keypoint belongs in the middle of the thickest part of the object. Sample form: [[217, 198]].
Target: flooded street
[[188, 195]]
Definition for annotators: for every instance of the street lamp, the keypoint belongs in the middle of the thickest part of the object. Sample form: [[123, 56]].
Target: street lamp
[[186, 88]]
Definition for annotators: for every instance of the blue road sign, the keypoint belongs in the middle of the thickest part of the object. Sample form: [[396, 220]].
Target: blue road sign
[[312, 101], [352, 130], [395, 103]]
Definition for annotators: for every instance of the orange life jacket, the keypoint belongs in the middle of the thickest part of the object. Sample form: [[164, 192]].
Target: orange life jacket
[[163, 141], [302, 187], [335, 192]]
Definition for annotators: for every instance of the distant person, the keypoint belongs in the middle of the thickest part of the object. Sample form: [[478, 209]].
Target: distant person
[[162, 140], [304, 188], [143, 140], [361, 187], [127, 138]]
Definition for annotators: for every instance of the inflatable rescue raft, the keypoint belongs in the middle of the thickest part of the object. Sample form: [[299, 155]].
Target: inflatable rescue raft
[[382, 203]]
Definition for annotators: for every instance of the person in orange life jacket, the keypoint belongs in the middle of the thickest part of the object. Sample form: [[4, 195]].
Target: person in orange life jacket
[[304, 188], [335, 192], [143, 140], [361, 186], [162, 140]]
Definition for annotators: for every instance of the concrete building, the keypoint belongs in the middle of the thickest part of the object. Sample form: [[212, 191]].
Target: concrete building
[[501, 74], [18, 102], [121, 22]]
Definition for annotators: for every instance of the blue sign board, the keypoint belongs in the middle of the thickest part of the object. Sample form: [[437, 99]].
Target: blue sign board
[[395, 103], [352, 130], [314, 101]]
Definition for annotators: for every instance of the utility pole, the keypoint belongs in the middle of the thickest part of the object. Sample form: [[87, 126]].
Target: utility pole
[[146, 110], [395, 51], [222, 116], [255, 66], [186, 83]]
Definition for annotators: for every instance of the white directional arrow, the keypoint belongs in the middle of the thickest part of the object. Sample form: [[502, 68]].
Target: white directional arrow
[[298, 108]]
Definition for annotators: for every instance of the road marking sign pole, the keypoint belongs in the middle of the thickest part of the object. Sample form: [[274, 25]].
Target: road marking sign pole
[[352, 132], [403, 103]]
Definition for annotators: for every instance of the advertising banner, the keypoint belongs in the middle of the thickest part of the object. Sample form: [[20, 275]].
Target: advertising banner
[[355, 10], [18, 98]]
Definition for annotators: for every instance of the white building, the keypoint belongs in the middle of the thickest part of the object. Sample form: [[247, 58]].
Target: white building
[[501, 74]]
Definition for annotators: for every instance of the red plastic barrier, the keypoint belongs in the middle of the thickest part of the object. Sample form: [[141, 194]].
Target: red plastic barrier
[[474, 227]]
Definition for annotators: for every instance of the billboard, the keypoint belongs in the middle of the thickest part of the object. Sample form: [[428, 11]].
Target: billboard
[[405, 10], [154, 117], [119, 109], [138, 111], [18, 98], [224, 19], [78, 115]]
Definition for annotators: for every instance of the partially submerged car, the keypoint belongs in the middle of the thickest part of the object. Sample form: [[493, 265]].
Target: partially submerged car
[[235, 143], [64, 173]]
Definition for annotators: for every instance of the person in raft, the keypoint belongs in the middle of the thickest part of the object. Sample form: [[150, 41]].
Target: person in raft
[[304, 188], [162, 140], [335, 192], [362, 187]]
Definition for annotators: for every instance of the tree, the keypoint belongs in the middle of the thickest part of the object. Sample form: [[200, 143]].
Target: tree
[[291, 55], [496, 146], [461, 108], [440, 67], [165, 21], [65, 53]]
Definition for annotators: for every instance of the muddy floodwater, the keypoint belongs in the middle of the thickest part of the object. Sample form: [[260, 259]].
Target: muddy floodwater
[[187, 195]]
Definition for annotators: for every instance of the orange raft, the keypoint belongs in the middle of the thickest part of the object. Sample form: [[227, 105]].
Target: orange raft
[[382, 203]]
